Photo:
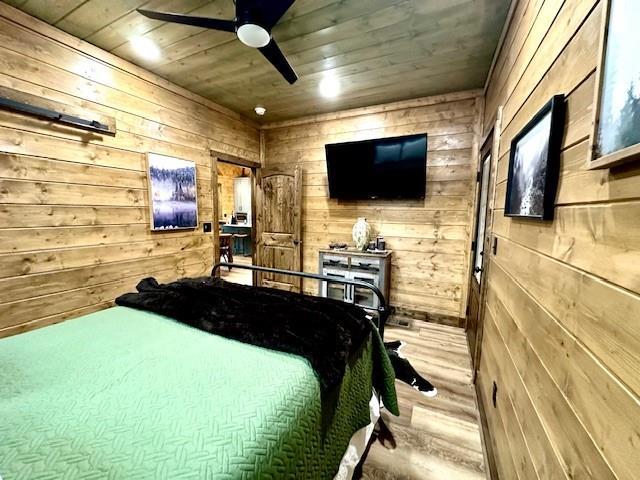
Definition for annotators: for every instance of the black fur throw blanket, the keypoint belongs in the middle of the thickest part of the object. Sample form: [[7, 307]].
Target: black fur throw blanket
[[322, 330]]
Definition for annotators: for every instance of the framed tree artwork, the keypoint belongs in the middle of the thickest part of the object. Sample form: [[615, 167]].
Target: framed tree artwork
[[616, 124], [173, 195], [534, 164]]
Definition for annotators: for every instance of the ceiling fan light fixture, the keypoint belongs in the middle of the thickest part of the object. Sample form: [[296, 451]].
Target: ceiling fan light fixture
[[260, 110], [253, 35], [252, 25]]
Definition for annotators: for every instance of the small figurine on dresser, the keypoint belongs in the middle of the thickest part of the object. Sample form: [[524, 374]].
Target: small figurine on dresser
[[361, 233], [377, 246]]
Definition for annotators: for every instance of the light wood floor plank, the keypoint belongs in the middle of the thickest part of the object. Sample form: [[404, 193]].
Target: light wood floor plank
[[236, 275], [436, 438]]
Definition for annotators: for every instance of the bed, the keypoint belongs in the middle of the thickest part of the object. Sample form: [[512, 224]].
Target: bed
[[124, 393]]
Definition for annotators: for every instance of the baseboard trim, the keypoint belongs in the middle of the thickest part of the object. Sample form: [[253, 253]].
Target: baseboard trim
[[403, 314]]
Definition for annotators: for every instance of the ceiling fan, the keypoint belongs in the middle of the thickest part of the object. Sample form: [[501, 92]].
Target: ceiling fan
[[252, 25]]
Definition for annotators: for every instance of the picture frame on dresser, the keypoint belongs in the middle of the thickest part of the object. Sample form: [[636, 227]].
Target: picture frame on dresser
[[615, 134], [534, 164]]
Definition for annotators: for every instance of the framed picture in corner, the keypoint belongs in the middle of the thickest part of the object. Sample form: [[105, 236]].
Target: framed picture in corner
[[173, 193], [534, 164], [615, 138]]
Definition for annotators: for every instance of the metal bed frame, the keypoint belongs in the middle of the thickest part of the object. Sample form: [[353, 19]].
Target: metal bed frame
[[383, 308]]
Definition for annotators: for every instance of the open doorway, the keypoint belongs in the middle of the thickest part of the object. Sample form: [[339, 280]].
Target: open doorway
[[235, 211]]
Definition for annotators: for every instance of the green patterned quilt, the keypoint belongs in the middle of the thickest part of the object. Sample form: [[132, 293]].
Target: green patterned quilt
[[126, 394]]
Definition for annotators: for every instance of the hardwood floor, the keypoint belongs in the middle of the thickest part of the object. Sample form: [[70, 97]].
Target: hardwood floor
[[237, 275], [436, 438]]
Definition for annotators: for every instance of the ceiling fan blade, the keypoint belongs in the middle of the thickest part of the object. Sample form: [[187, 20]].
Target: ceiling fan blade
[[213, 23], [271, 11], [273, 53]]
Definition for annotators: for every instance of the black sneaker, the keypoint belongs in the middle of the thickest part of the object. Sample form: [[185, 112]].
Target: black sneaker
[[424, 386], [396, 346]]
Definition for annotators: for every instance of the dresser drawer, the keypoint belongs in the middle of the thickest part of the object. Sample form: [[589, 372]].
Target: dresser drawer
[[335, 261], [367, 264]]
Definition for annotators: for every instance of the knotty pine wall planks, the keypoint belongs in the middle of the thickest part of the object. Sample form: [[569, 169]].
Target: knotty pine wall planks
[[430, 238], [74, 218], [562, 319]]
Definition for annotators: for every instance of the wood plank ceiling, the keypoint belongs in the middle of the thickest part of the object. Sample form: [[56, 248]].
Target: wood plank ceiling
[[379, 50]]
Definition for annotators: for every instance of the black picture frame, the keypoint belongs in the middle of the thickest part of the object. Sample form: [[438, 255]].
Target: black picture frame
[[609, 59], [555, 110]]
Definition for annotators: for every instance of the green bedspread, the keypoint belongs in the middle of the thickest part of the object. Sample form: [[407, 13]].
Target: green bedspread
[[126, 394]]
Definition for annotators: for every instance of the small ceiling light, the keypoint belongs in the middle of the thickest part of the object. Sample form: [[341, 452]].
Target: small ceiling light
[[145, 48], [329, 87], [253, 35], [260, 110]]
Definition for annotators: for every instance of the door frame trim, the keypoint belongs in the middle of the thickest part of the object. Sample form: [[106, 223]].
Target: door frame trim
[[254, 168], [495, 133], [487, 148], [490, 143]]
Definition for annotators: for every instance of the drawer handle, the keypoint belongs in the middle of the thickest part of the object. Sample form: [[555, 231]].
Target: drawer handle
[[334, 263], [367, 266]]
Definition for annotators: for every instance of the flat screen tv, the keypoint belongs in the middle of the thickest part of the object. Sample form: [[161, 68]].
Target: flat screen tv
[[386, 168]]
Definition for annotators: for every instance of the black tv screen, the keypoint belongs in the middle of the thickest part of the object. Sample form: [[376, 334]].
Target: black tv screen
[[382, 168]]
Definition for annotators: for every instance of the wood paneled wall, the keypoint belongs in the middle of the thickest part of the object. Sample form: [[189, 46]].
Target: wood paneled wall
[[226, 173], [562, 318], [74, 219], [430, 238]]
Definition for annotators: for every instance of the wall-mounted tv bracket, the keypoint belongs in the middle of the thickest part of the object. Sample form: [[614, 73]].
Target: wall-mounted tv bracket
[[47, 114]]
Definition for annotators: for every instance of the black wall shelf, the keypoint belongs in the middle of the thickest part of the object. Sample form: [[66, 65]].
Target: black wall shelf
[[21, 102]]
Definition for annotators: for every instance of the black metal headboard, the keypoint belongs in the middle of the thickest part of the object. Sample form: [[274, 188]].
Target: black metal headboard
[[383, 308]]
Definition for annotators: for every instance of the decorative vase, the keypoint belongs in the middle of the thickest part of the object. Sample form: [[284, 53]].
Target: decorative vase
[[361, 233]]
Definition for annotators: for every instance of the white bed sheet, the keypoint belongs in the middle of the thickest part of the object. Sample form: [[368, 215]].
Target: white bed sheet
[[358, 443]]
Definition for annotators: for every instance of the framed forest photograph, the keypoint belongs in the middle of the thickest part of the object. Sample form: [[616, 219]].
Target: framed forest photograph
[[616, 134], [173, 195], [534, 162]]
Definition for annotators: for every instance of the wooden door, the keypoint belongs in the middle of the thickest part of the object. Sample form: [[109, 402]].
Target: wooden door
[[279, 222], [479, 253]]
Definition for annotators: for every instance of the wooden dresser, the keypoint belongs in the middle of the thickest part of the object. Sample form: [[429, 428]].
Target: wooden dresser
[[374, 268]]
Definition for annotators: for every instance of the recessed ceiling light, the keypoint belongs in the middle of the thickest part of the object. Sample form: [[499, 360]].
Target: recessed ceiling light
[[329, 87], [260, 110], [145, 48]]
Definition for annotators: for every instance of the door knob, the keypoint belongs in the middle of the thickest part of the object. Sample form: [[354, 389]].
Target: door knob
[[477, 269]]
